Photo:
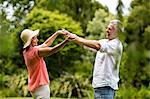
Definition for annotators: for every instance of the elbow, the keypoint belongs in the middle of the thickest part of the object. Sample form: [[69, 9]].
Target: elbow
[[44, 45], [97, 46]]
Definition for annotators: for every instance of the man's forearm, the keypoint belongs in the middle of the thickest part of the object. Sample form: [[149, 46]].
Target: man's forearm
[[89, 43]]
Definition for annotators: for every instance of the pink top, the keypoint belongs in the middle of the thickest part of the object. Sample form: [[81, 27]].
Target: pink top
[[37, 70]]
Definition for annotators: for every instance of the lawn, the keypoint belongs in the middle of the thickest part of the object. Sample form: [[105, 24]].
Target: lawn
[[32, 98]]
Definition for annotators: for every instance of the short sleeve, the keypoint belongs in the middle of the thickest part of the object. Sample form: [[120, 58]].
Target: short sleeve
[[110, 47], [36, 52]]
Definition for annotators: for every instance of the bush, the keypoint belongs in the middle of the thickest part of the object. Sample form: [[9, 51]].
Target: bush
[[15, 85], [130, 92], [74, 86]]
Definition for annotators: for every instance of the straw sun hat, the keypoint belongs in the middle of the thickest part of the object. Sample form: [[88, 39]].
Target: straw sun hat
[[27, 35]]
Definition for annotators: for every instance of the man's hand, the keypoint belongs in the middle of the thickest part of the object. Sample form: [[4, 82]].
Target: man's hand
[[70, 35]]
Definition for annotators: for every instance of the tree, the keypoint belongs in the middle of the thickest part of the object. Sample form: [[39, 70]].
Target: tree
[[6, 45], [119, 10], [137, 64], [79, 11], [18, 8], [97, 27]]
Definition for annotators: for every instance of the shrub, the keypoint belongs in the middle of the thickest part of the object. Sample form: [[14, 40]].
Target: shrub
[[68, 86], [15, 85], [130, 92]]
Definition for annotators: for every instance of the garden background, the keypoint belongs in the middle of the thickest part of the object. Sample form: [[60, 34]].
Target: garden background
[[70, 70]]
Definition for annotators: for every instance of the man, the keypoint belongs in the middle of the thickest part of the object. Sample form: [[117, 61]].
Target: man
[[107, 61]]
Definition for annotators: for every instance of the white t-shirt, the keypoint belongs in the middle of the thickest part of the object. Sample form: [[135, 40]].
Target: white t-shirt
[[106, 67]]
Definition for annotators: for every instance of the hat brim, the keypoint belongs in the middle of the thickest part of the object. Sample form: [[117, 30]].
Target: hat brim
[[34, 33]]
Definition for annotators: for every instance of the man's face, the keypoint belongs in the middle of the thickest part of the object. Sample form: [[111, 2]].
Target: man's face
[[111, 31], [34, 41]]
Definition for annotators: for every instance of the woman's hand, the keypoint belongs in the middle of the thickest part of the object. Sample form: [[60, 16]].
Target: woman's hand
[[70, 35], [61, 32]]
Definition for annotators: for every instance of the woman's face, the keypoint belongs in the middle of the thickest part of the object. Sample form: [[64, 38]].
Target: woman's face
[[34, 41]]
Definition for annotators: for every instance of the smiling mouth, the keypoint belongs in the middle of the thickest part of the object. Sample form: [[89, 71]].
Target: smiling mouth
[[108, 34]]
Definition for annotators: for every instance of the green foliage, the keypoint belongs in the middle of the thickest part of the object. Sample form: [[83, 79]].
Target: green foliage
[[130, 92], [120, 10], [3, 80], [139, 2], [46, 21], [14, 85], [7, 47], [97, 26], [137, 28], [138, 72], [18, 11], [5, 37], [146, 37], [137, 22], [79, 11], [68, 86], [123, 74]]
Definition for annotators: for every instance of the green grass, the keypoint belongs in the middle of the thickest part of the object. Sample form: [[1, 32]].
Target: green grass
[[32, 98], [17, 98]]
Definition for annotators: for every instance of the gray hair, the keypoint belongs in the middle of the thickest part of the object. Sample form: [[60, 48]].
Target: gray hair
[[118, 24]]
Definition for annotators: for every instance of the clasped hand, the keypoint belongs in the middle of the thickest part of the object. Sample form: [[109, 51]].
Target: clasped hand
[[67, 34]]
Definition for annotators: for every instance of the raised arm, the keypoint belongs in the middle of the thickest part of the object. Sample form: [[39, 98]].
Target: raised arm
[[89, 43], [50, 40], [46, 51], [79, 40]]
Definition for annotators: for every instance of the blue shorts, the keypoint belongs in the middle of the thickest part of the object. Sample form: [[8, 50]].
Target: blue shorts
[[104, 93]]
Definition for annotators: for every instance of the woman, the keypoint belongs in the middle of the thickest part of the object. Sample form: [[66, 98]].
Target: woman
[[38, 80]]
